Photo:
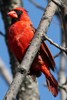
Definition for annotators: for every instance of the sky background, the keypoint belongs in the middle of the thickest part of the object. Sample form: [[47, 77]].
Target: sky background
[[53, 32]]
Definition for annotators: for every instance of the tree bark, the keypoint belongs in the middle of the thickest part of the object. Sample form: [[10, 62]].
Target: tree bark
[[62, 74], [63, 59]]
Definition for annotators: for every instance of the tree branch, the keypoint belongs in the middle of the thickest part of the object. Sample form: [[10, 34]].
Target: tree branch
[[5, 72], [31, 52], [59, 3], [36, 5], [63, 61], [57, 54], [55, 44], [2, 34], [60, 86], [62, 73]]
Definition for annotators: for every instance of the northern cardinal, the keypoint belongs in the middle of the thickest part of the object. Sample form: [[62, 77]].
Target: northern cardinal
[[20, 34]]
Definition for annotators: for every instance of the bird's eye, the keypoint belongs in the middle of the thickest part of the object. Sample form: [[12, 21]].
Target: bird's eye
[[19, 13]]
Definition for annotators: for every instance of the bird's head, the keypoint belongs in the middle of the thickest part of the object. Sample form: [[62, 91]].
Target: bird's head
[[18, 14]]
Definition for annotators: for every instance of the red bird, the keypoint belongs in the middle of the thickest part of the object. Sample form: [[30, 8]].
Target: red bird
[[20, 34]]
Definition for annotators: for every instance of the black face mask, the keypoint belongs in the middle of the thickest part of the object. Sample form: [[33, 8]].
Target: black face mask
[[19, 13]]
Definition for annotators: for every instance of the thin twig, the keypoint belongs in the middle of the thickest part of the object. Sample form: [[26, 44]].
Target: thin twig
[[2, 34], [55, 44], [57, 54], [37, 5], [59, 87], [58, 3], [62, 87]]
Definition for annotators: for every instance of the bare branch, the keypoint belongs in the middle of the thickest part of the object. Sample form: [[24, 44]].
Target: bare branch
[[62, 75], [2, 34], [57, 54], [55, 44], [31, 52], [63, 62], [37, 5], [59, 87], [58, 3], [5, 72], [63, 88]]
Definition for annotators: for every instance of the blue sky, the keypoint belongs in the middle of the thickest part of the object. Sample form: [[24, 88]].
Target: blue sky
[[53, 32]]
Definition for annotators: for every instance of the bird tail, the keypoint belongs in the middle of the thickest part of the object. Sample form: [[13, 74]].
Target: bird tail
[[51, 81]]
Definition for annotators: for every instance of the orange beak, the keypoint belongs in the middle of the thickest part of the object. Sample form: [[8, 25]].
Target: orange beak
[[13, 14]]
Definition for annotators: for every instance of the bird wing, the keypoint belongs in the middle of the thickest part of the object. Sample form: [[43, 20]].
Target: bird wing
[[45, 53]]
